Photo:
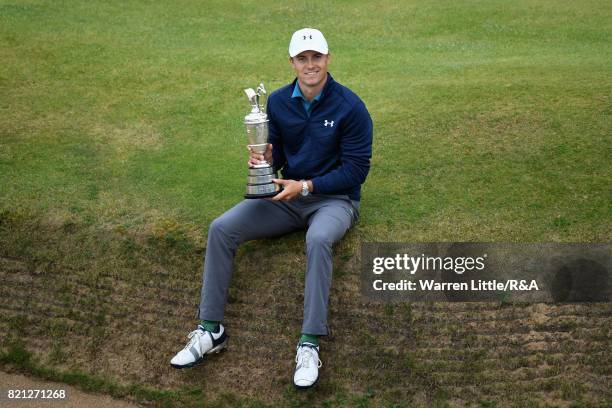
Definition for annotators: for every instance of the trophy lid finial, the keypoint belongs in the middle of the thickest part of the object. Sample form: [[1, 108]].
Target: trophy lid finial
[[250, 93], [254, 97]]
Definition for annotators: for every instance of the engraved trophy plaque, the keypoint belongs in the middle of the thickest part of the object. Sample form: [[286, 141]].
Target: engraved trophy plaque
[[259, 180]]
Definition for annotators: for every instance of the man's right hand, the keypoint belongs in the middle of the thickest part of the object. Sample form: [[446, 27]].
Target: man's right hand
[[256, 158]]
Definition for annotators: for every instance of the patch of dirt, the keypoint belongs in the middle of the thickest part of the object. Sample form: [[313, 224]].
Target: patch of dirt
[[75, 397], [138, 299]]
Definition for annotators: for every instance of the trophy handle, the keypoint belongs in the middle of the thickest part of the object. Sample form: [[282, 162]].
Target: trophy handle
[[261, 91]]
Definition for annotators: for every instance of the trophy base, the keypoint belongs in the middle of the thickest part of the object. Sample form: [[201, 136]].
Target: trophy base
[[259, 182], [265, 195], [263, 190]]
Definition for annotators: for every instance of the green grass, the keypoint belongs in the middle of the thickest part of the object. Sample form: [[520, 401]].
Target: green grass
[[121, 138], [491, 119]]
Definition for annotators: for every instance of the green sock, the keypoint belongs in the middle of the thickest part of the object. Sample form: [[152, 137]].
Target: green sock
[[210, 325], [310, 338]]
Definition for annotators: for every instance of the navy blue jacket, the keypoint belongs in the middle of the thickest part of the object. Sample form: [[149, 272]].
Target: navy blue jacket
[[332, 147]]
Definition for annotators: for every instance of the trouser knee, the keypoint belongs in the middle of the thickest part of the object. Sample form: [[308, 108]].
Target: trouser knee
[[220, 229], [318, 241]]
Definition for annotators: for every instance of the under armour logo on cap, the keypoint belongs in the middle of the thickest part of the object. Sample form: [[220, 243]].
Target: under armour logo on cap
[[331, 124], [307, 39]]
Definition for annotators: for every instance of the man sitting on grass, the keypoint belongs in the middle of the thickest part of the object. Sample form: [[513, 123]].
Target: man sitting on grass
[[321, 139]]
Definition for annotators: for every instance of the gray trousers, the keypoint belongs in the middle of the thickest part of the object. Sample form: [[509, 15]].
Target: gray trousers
[[327, 218]]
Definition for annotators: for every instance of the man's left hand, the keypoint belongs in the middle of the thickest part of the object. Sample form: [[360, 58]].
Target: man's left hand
[[291, 189]]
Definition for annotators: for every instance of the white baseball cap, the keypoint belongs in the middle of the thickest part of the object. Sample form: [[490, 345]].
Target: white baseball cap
[[307, 39]]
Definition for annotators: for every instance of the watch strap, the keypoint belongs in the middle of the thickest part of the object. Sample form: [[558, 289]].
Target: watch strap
[[305, 190]]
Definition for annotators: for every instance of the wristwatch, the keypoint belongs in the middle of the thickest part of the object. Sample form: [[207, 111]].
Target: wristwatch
[[305, 191]]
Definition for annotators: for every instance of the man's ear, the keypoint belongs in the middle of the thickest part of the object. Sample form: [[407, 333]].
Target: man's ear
[[328, 57]]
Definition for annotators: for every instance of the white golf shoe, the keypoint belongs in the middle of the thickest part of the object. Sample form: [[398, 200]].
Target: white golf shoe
[[201, 343], [308, 363]]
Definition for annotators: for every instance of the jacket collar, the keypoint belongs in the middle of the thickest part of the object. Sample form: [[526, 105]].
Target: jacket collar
[[297, 93], [324, 92]]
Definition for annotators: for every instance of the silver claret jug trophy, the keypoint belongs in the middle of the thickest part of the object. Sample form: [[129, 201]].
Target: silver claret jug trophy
[[259, 181]]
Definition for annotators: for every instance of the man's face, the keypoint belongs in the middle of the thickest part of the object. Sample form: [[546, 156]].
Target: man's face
[[310, 67]]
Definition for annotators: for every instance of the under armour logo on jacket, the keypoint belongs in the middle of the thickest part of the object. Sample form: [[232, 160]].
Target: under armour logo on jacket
[[310, 36], [331, 124]]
